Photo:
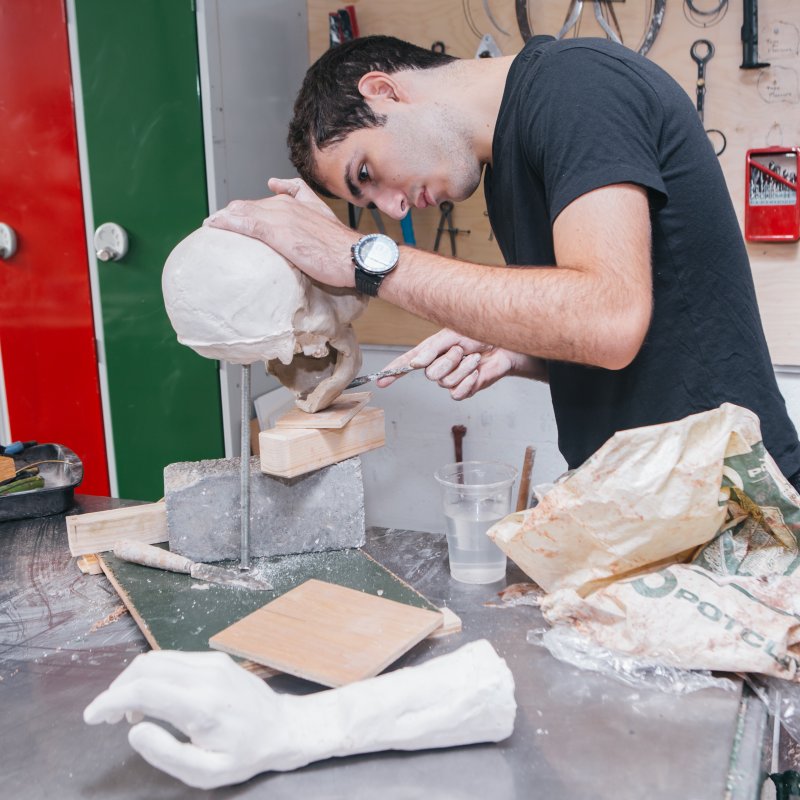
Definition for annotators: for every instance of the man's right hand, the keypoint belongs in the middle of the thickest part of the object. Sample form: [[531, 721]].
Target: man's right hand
[[464, 366]]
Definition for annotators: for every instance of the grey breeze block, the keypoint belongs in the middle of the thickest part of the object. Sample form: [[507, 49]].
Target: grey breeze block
[[321, 510]]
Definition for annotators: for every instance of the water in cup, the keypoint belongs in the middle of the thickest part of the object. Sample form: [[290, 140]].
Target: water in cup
[[476, 494], [474, 557]]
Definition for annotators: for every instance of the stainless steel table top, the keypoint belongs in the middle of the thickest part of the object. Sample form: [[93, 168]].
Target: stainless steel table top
[[577, 734]]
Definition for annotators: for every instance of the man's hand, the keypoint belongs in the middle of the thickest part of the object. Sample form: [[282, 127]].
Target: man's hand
[[464, 366], [297, 224]]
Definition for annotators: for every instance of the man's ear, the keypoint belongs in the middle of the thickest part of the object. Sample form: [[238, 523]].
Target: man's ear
[[380, 86]]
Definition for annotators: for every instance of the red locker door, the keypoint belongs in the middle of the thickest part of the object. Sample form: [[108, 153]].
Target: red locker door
[[46, 329]]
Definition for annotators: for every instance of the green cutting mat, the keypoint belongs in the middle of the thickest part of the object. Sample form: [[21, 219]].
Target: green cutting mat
[[176, 612]]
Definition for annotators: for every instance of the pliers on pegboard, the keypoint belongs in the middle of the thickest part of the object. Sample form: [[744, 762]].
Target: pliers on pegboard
[[446, 207]]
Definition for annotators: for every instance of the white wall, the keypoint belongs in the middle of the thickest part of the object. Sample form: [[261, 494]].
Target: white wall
[[501, 421]]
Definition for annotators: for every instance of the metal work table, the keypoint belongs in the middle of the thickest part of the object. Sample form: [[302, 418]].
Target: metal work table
[[578, 734]]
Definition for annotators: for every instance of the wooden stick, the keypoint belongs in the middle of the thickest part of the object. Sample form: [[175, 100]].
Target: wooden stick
[[525, 479], [99, 531]]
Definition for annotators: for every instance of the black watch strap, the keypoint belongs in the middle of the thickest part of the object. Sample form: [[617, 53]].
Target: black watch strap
[[367, 283]]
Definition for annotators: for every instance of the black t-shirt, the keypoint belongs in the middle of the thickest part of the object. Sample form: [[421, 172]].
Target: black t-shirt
[[580, 114]]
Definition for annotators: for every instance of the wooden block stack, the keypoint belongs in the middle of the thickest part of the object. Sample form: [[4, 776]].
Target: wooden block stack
[[301, 442]]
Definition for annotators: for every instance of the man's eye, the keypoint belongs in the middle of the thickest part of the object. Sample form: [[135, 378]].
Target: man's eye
[[363, 173]]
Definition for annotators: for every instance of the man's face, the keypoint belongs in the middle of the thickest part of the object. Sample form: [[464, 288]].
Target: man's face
[[413, 161]]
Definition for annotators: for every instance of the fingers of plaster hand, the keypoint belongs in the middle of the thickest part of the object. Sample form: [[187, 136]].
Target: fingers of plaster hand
[[151, 697], [203, 769]]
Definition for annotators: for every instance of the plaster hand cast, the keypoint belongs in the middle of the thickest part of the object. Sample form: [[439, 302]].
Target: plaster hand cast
[[233, 298], [239, 727]]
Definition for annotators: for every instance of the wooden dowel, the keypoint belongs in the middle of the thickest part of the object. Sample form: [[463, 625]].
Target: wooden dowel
[[525, 479]]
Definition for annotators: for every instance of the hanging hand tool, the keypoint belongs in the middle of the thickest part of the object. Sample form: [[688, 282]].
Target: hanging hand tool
[[702, 51], [354, 216], [750, 37], [446, 218], [158, 558]]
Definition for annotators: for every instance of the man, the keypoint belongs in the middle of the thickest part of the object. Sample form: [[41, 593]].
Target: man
[[631, 291]]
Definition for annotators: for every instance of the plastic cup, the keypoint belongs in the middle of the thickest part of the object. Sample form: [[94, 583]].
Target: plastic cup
[[476, 495]]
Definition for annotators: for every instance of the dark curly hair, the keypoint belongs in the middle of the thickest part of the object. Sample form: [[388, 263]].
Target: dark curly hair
[[329, 105]]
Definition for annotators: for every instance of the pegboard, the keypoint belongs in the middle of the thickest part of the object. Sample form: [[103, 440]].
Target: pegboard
[[754, 108]]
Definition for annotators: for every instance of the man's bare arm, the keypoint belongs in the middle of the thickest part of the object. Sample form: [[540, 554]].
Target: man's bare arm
[[594, 308]]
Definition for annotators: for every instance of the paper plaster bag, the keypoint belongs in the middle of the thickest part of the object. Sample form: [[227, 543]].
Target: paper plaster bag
[[648, 496], [684, 616]]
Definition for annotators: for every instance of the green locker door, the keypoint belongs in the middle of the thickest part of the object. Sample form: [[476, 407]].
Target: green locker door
[[144, 135]]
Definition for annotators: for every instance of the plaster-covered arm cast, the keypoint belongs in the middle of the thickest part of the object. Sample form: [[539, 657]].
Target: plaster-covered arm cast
[[239, 727]]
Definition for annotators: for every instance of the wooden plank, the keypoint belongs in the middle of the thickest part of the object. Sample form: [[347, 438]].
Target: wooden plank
[[98, 531], [89, 564], [289, 452], [336, 415], [8, 469], [176, 612], [328, 633]]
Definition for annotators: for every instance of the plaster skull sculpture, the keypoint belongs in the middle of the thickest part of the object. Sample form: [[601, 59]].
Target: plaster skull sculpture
[[233, 298]]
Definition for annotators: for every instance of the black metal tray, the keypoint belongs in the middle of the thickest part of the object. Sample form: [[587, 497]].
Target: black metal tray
[[60, 480]]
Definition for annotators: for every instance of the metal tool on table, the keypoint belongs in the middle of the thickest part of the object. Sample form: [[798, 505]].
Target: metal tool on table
[[374, 376], [702, 51], [158, 558]]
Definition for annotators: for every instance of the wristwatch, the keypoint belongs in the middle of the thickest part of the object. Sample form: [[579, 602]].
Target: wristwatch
[[374, 256]]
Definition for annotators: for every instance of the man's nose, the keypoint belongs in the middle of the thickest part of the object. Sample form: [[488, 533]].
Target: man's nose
[[392, 203]]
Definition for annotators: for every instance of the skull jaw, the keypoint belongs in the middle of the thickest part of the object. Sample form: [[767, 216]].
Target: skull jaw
[[318, 381]]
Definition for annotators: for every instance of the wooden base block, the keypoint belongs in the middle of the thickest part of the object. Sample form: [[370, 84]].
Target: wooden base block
[[98, 531], [336, 415], [289, 452]]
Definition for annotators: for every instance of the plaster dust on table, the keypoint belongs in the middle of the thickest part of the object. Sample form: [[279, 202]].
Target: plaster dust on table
[[232, 298]]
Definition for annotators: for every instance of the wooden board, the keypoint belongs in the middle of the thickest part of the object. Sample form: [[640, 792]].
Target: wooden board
[[176, 612], [336, 415], [327, 633], [7, 468], [98, 531], [289, 452]]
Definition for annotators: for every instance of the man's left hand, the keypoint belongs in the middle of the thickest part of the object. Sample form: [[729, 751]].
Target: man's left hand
[[299, 226]]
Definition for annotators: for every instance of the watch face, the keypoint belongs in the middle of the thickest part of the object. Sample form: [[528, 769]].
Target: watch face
[[377, 254]]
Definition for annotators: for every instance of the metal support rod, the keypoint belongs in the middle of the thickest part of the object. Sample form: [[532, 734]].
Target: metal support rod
[[244, 489]]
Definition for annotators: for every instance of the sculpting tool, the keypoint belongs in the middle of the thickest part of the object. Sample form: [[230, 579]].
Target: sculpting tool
[[374, 376], [158, 558]]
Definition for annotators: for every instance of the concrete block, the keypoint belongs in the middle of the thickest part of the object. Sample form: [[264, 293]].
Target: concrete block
[[321, 510]]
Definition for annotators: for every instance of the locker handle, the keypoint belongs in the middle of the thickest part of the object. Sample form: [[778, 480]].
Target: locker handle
[[8, 241], [110, 242]]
